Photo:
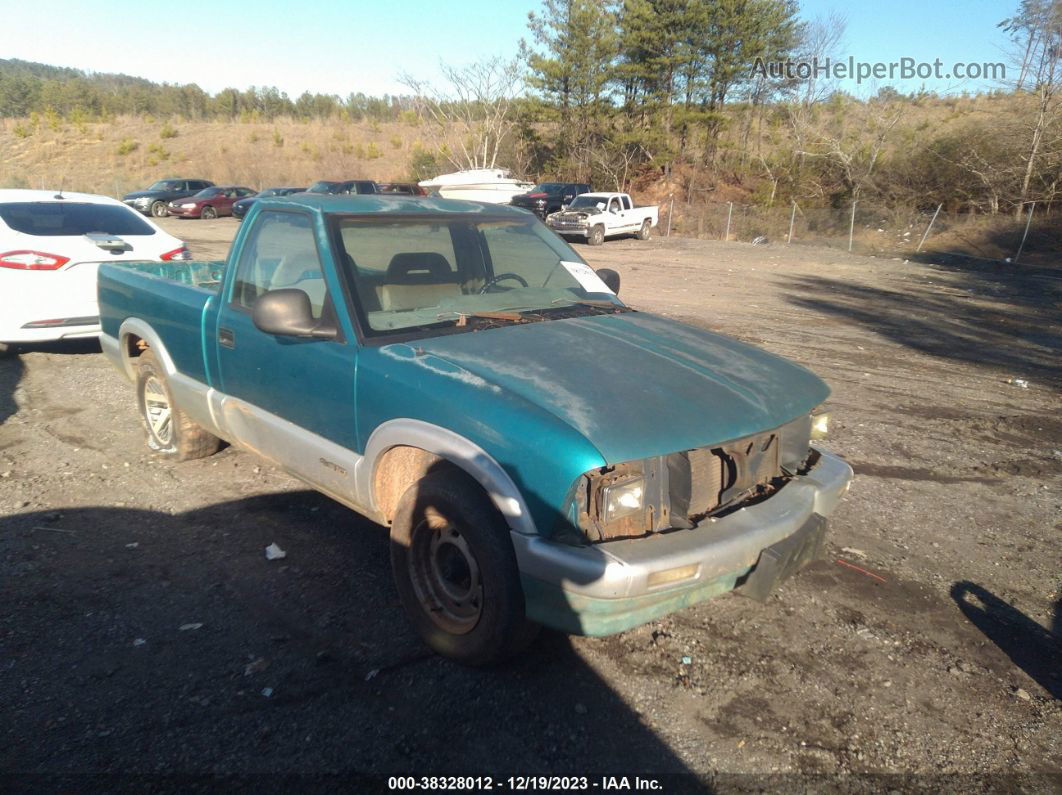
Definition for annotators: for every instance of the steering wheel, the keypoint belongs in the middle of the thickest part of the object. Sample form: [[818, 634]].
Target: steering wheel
[[501, 277]]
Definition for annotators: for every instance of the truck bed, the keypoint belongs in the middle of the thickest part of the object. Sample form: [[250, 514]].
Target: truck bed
[[170, 296], [196, 273]]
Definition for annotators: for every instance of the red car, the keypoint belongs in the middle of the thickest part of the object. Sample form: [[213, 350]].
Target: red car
[[209, 202]]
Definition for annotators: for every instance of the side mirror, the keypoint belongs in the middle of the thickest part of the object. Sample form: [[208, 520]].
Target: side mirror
[[611, 279], [287, 313]]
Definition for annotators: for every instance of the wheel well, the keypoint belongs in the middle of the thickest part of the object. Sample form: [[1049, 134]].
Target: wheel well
[[134, 346], [398, 469]]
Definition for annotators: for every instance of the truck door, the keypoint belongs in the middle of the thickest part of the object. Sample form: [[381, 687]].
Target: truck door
[[630, 223], [290, 399]]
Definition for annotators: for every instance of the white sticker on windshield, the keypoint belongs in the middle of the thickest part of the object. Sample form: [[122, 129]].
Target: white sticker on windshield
[[586, 277]]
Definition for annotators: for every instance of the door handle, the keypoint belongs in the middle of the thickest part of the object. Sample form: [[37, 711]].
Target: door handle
[[226, 338]]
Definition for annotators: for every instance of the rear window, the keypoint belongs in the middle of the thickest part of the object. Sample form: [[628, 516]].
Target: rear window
[[69, 219]]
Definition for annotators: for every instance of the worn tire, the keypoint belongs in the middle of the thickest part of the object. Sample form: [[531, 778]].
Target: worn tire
[[492, 624], [208, 213], [596, 236], [644, 232], [158, 209], [179, 438]]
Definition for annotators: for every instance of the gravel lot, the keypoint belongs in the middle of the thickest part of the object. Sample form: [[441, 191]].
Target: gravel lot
[[143, 631]]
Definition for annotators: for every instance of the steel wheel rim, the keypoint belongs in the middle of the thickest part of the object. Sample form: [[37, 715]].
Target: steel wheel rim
[[158, 209], [157, 411], [446, 577]]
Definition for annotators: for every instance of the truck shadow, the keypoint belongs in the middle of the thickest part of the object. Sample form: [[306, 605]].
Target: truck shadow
[[990, 315], [1032, 648], [139, 641]]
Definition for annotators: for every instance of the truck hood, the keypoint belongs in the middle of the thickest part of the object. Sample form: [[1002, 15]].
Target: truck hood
[[634, 384]]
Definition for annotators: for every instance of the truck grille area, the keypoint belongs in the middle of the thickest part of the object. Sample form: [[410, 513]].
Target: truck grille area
[[682, 489], [703, 480]]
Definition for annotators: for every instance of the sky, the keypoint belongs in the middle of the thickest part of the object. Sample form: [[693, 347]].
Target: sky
[[337, 47]]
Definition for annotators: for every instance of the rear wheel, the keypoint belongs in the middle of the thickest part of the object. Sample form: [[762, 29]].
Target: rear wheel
[[456, 573], [170, 432], [597, 236], [208, 213], [158, 209], [643, 233]]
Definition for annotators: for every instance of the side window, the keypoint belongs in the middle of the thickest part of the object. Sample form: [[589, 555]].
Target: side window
[[280, 252], [626, 202], [613, 206]]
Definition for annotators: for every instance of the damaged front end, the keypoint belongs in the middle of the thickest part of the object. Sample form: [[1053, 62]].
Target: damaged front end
[[680, 490]]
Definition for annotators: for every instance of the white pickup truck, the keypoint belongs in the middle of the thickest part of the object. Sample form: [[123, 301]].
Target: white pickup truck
[[596, 216]]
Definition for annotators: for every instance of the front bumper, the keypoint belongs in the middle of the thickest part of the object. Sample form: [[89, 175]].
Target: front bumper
[[569, 229], [181, 212], [610, 587]]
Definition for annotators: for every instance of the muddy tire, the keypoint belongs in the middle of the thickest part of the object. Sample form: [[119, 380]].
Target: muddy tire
[[208, 213], [456, 573], [644, 232], [158, 209], [170, 432], [596, 236]]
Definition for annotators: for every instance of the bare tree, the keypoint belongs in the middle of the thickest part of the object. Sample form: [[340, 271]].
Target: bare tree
[[852, 141], [1037, 35], [470, 118]]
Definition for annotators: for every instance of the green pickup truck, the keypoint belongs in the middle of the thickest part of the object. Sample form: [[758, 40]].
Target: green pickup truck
[[541, 452]]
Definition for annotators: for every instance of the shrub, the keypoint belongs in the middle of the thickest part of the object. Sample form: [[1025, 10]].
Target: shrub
[[373, 151], [126, 146], [278, 140], [396, 142], [23, 131], [167, 131]]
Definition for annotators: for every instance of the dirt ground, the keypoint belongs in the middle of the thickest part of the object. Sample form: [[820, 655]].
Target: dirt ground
[[143, 631]]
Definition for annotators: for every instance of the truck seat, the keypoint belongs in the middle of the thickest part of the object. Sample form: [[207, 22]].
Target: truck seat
[[302, 270], [417, 279]]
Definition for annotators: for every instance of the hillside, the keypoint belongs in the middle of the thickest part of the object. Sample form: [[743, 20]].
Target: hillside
[[128, 153]]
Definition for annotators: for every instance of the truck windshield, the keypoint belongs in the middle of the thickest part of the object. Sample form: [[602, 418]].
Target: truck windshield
[[411, 273], [587, 202]]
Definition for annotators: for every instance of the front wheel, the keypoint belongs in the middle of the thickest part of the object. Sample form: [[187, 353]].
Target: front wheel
[[456, 573], [170, 432], [643, 233], [596, 236], [158, 209], [209, 213]]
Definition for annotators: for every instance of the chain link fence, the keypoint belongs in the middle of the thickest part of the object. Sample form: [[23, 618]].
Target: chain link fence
[[868, 229]]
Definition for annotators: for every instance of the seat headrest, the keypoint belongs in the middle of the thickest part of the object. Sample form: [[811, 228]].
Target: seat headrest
[[419, 267]]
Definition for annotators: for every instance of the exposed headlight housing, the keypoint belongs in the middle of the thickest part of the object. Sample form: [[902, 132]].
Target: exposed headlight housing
[[623, 499], [820, 424]]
